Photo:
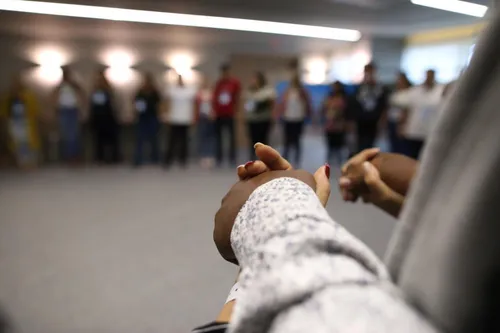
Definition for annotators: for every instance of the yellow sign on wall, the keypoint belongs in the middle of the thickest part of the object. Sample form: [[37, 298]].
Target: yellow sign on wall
[[446, 34]]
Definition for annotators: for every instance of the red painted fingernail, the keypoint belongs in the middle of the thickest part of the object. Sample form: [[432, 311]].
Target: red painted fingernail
[[327, 170], [247, 164]]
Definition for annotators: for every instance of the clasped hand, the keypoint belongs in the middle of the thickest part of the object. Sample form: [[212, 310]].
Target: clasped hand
[[269, 166], [359, 178]]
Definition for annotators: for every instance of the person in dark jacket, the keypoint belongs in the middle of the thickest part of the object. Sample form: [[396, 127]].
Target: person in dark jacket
[[147, 107], [367, 108], [103, 121], [259, 105], [334, 114]]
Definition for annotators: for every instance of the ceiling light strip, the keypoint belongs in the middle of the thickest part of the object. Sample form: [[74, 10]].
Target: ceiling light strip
[[144, 16], [461, 7]]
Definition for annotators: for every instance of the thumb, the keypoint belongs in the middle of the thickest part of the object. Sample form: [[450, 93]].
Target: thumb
[[372, 176], [377, 188], [322, 178]]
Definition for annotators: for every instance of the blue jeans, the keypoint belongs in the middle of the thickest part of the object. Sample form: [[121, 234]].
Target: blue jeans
[[206, 138], [147, 133], [69, 126]]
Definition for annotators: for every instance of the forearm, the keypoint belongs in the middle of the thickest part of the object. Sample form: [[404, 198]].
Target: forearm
[[392, 205], [226, 312], [222, 320], [396, 170], [289, 248]]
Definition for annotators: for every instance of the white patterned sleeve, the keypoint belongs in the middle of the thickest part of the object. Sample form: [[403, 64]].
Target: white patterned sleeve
[[298, 264]]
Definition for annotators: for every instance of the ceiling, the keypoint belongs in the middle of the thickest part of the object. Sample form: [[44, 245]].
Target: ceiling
[[371, 17]]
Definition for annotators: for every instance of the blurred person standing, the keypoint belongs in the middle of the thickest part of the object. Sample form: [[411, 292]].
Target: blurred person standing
[[334, 115], [181, 116], [294, 108], [367, 108], [421, 107], [19, 110], [69, 97], [395, 112], [225, 102], [205, 121], [147, 107], [103, 120], [259, 106]]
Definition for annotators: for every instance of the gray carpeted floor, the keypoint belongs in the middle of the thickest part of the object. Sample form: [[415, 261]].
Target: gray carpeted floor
[[106, 250]]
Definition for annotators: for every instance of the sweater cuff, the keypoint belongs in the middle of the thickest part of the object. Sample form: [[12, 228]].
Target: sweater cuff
[[265, 213]]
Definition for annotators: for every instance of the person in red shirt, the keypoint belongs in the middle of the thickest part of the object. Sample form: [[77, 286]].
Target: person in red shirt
[[225, 103]]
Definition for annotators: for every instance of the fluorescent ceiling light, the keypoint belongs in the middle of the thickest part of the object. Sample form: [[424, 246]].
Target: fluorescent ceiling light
[[462, 7], [144, 16]]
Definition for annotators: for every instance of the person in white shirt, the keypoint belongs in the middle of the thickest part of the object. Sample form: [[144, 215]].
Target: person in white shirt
[[294, 108], [180, 117], [205, 125], [395, 113], [259, 105], [68, 100], [421, 110]]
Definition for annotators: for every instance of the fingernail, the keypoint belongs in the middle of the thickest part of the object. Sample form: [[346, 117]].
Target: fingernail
[[240, 166], [257, 144], [247, 164], [327, 170], [367, 166]]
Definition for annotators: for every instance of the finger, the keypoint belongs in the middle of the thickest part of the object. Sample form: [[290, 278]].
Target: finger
[[344, 194], [344, 167], [242, 172], [361, 157], [368, 154], [344, 182], [372, 177], [271, 157], [348, 195], [344, 187], [255, 168], [365, 155], [376, 187], [351, 197], [323, 188]]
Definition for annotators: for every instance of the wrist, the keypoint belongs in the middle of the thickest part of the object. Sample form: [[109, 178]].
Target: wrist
[[391, 202]]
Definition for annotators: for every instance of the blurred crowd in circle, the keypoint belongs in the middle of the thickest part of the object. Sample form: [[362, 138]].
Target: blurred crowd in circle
[[405, 112]]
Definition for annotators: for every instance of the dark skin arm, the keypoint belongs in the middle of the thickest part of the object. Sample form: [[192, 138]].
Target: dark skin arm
[[385, 184], [396, 170]]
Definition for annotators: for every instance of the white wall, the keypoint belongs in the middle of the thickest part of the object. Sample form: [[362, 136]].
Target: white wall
[[347, 64], [448, 59]]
